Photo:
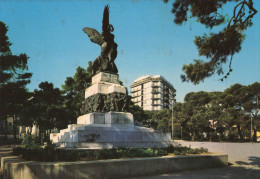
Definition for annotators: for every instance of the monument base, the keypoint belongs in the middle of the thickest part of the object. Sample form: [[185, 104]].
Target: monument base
[[112, 129]]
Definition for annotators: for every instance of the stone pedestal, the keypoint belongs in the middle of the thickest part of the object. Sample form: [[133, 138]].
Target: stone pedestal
[[104, 83], [110, 118], [105, 94], [105, 121]]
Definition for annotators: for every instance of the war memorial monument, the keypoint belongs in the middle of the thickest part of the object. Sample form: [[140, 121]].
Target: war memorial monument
[[105, 120]]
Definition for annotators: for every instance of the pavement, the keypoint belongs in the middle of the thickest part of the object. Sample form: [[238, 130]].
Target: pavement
[[244, 162]]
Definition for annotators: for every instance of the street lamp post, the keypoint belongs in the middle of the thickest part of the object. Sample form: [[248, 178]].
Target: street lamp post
[[251, 127], [172, 122], [172, 118], [181, 132]]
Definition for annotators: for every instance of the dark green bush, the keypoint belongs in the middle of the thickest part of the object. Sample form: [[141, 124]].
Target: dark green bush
[[50, 153], [4, 141], [67, 155], [107, 153], [179, 150], [18, 150], [170, 149]]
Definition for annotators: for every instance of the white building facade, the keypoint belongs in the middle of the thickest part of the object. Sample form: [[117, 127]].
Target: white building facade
[[153, 93]]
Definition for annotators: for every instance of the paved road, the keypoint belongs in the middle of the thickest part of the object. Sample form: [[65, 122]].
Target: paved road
[[244, 161]]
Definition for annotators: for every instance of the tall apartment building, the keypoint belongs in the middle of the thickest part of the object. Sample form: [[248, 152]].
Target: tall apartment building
[[152, 92]]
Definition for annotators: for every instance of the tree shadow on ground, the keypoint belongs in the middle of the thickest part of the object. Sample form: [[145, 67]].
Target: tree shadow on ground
[[234, 172], [237, 170], [253, 161]]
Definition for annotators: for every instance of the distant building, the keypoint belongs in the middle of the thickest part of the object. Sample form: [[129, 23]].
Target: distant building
[[10, 126], [153, 93], [21, 130]]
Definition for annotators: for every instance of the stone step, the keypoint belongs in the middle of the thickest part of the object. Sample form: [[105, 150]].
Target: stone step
[[7, 160], [64, 130], [75, 126], [4, 152], [98, 145]]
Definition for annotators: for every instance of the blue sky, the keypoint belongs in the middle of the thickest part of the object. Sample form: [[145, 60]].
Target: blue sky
[[50, 33]]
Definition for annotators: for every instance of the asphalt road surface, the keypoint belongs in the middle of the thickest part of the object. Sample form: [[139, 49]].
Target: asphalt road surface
[[244, 160]]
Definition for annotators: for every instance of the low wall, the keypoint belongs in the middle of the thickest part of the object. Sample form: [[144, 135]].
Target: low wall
[[113, 168]]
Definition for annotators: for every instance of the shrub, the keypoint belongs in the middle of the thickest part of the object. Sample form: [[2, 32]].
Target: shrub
[[30, 142], [18, 150], [179, 150], [170, 149], [67, 155], [50, 153], [107, 153]]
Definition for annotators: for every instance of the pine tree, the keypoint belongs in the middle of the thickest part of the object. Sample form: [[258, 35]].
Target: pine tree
[[13, 79]]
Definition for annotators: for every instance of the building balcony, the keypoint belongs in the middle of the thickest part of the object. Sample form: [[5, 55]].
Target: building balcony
[[155, 98], [155, 91], [156, 104], [166, 95], [135, 90], [167, 107], [166, 100], [136, 96]]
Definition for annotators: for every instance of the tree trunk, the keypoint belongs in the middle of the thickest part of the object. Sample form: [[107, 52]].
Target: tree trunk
[[30, 131], [240, 133], [14, 127], [192, 135], [211, 133], [40, 134], [6, 127], [254, 136]]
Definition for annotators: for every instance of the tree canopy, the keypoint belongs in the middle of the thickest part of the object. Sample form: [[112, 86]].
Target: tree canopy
[[210, 115], [217, 48], [13, 79]]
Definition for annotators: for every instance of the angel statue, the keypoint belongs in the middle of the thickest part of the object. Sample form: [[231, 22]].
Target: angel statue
[[104, 62]]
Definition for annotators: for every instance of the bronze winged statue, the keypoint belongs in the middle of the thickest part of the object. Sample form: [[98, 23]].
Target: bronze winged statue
[[104, 62]]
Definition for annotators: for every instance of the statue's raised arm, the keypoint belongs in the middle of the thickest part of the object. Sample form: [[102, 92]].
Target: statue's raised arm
[[104, 62]]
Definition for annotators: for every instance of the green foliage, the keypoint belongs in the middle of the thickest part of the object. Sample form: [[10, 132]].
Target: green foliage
[[10, 142], [50, 153], [13, 80], [139, 114], [220, 47], [46, 108], [67, 155], [219, 115], [180, 150], [29, 141], [74, 90], [32, 150]]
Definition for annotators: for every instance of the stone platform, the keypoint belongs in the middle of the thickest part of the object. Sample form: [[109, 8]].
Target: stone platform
[[16, 168], [112, 129], [103, 123]]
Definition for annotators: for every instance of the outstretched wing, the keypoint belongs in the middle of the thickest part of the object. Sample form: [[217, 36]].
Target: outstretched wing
[[94, 35]]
